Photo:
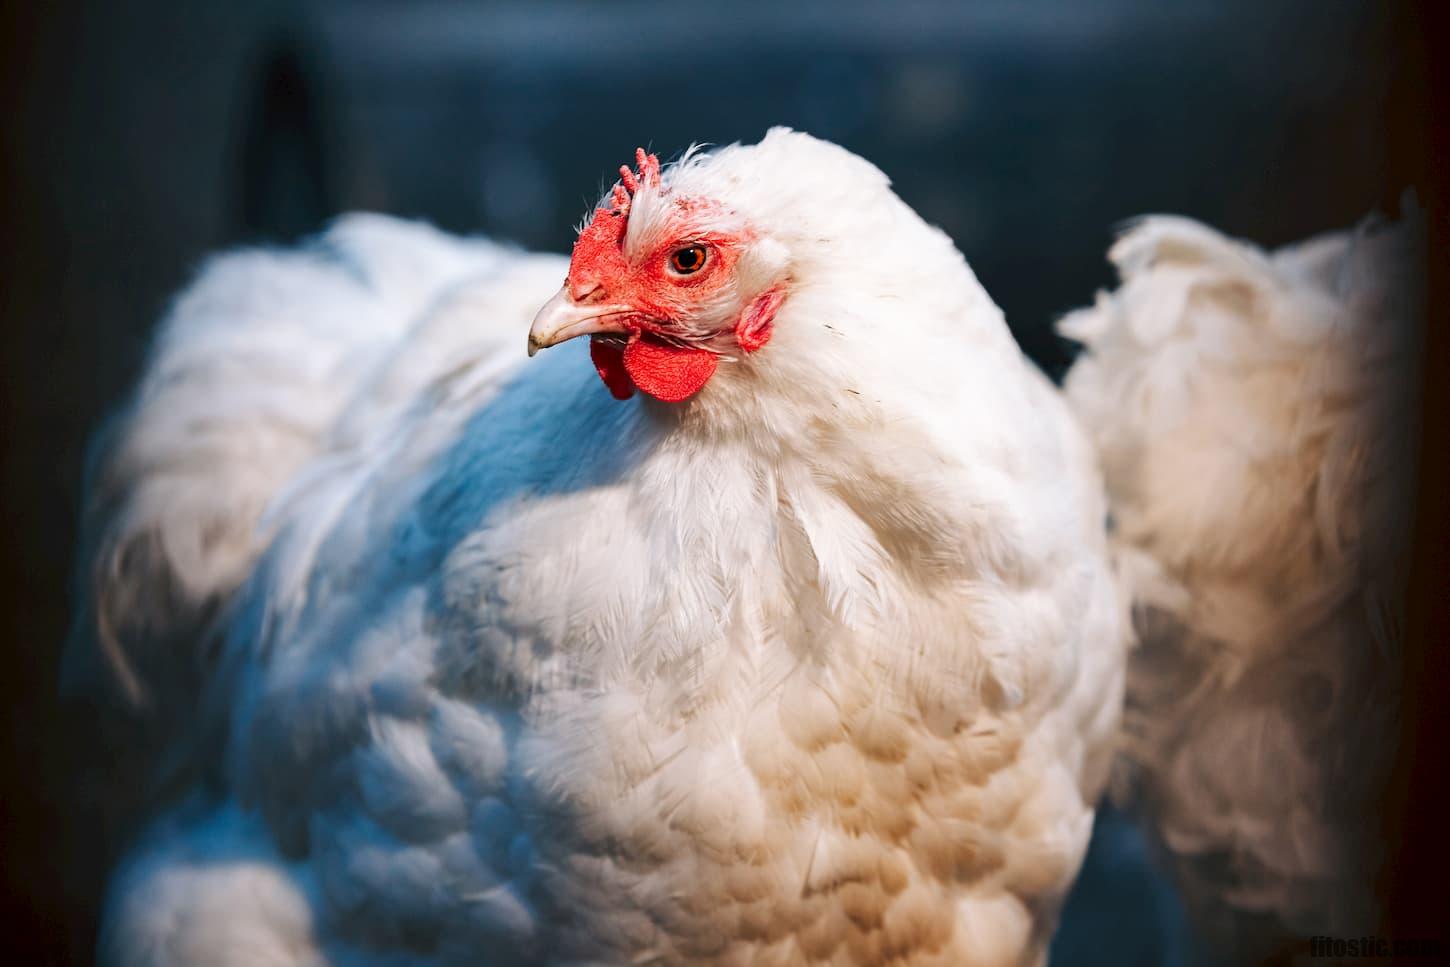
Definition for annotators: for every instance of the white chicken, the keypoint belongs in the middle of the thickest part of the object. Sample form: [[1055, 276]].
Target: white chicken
[[809, 652], [1255, 417]]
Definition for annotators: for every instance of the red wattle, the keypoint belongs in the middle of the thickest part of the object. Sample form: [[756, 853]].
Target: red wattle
[[667, 373], [609, 361]]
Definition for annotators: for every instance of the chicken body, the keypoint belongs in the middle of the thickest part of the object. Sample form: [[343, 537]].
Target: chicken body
[[820, 665], [1254, 412]]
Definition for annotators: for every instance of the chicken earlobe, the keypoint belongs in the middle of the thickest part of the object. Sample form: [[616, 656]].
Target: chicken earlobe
[[756, 323]]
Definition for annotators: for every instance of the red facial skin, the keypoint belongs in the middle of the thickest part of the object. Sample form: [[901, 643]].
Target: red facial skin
[[655, 358]]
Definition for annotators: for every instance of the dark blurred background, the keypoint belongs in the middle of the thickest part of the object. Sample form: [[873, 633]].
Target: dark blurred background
[[139, 136]]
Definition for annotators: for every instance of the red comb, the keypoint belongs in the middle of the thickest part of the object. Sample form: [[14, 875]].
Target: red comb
[[649, 172], [629, 181], [606, 228]]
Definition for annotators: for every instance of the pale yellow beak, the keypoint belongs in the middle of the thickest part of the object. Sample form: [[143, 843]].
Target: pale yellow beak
[[562, 319]]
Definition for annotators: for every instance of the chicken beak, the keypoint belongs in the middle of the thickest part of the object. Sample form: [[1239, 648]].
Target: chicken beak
[[562, 319]]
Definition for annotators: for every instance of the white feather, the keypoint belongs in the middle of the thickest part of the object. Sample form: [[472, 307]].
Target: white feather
[[1254, 416], [825, 663]]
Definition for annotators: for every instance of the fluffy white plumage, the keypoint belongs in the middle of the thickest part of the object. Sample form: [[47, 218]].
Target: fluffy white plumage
[[1254, 414], [824, 665]]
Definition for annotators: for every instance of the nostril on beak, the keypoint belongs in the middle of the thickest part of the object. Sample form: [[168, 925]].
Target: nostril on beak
[[586, 292]]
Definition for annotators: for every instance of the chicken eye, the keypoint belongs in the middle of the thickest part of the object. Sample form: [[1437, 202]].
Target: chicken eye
[[688, 260]]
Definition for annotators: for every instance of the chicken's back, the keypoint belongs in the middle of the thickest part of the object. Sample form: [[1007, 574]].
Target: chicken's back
[[265, 362]]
